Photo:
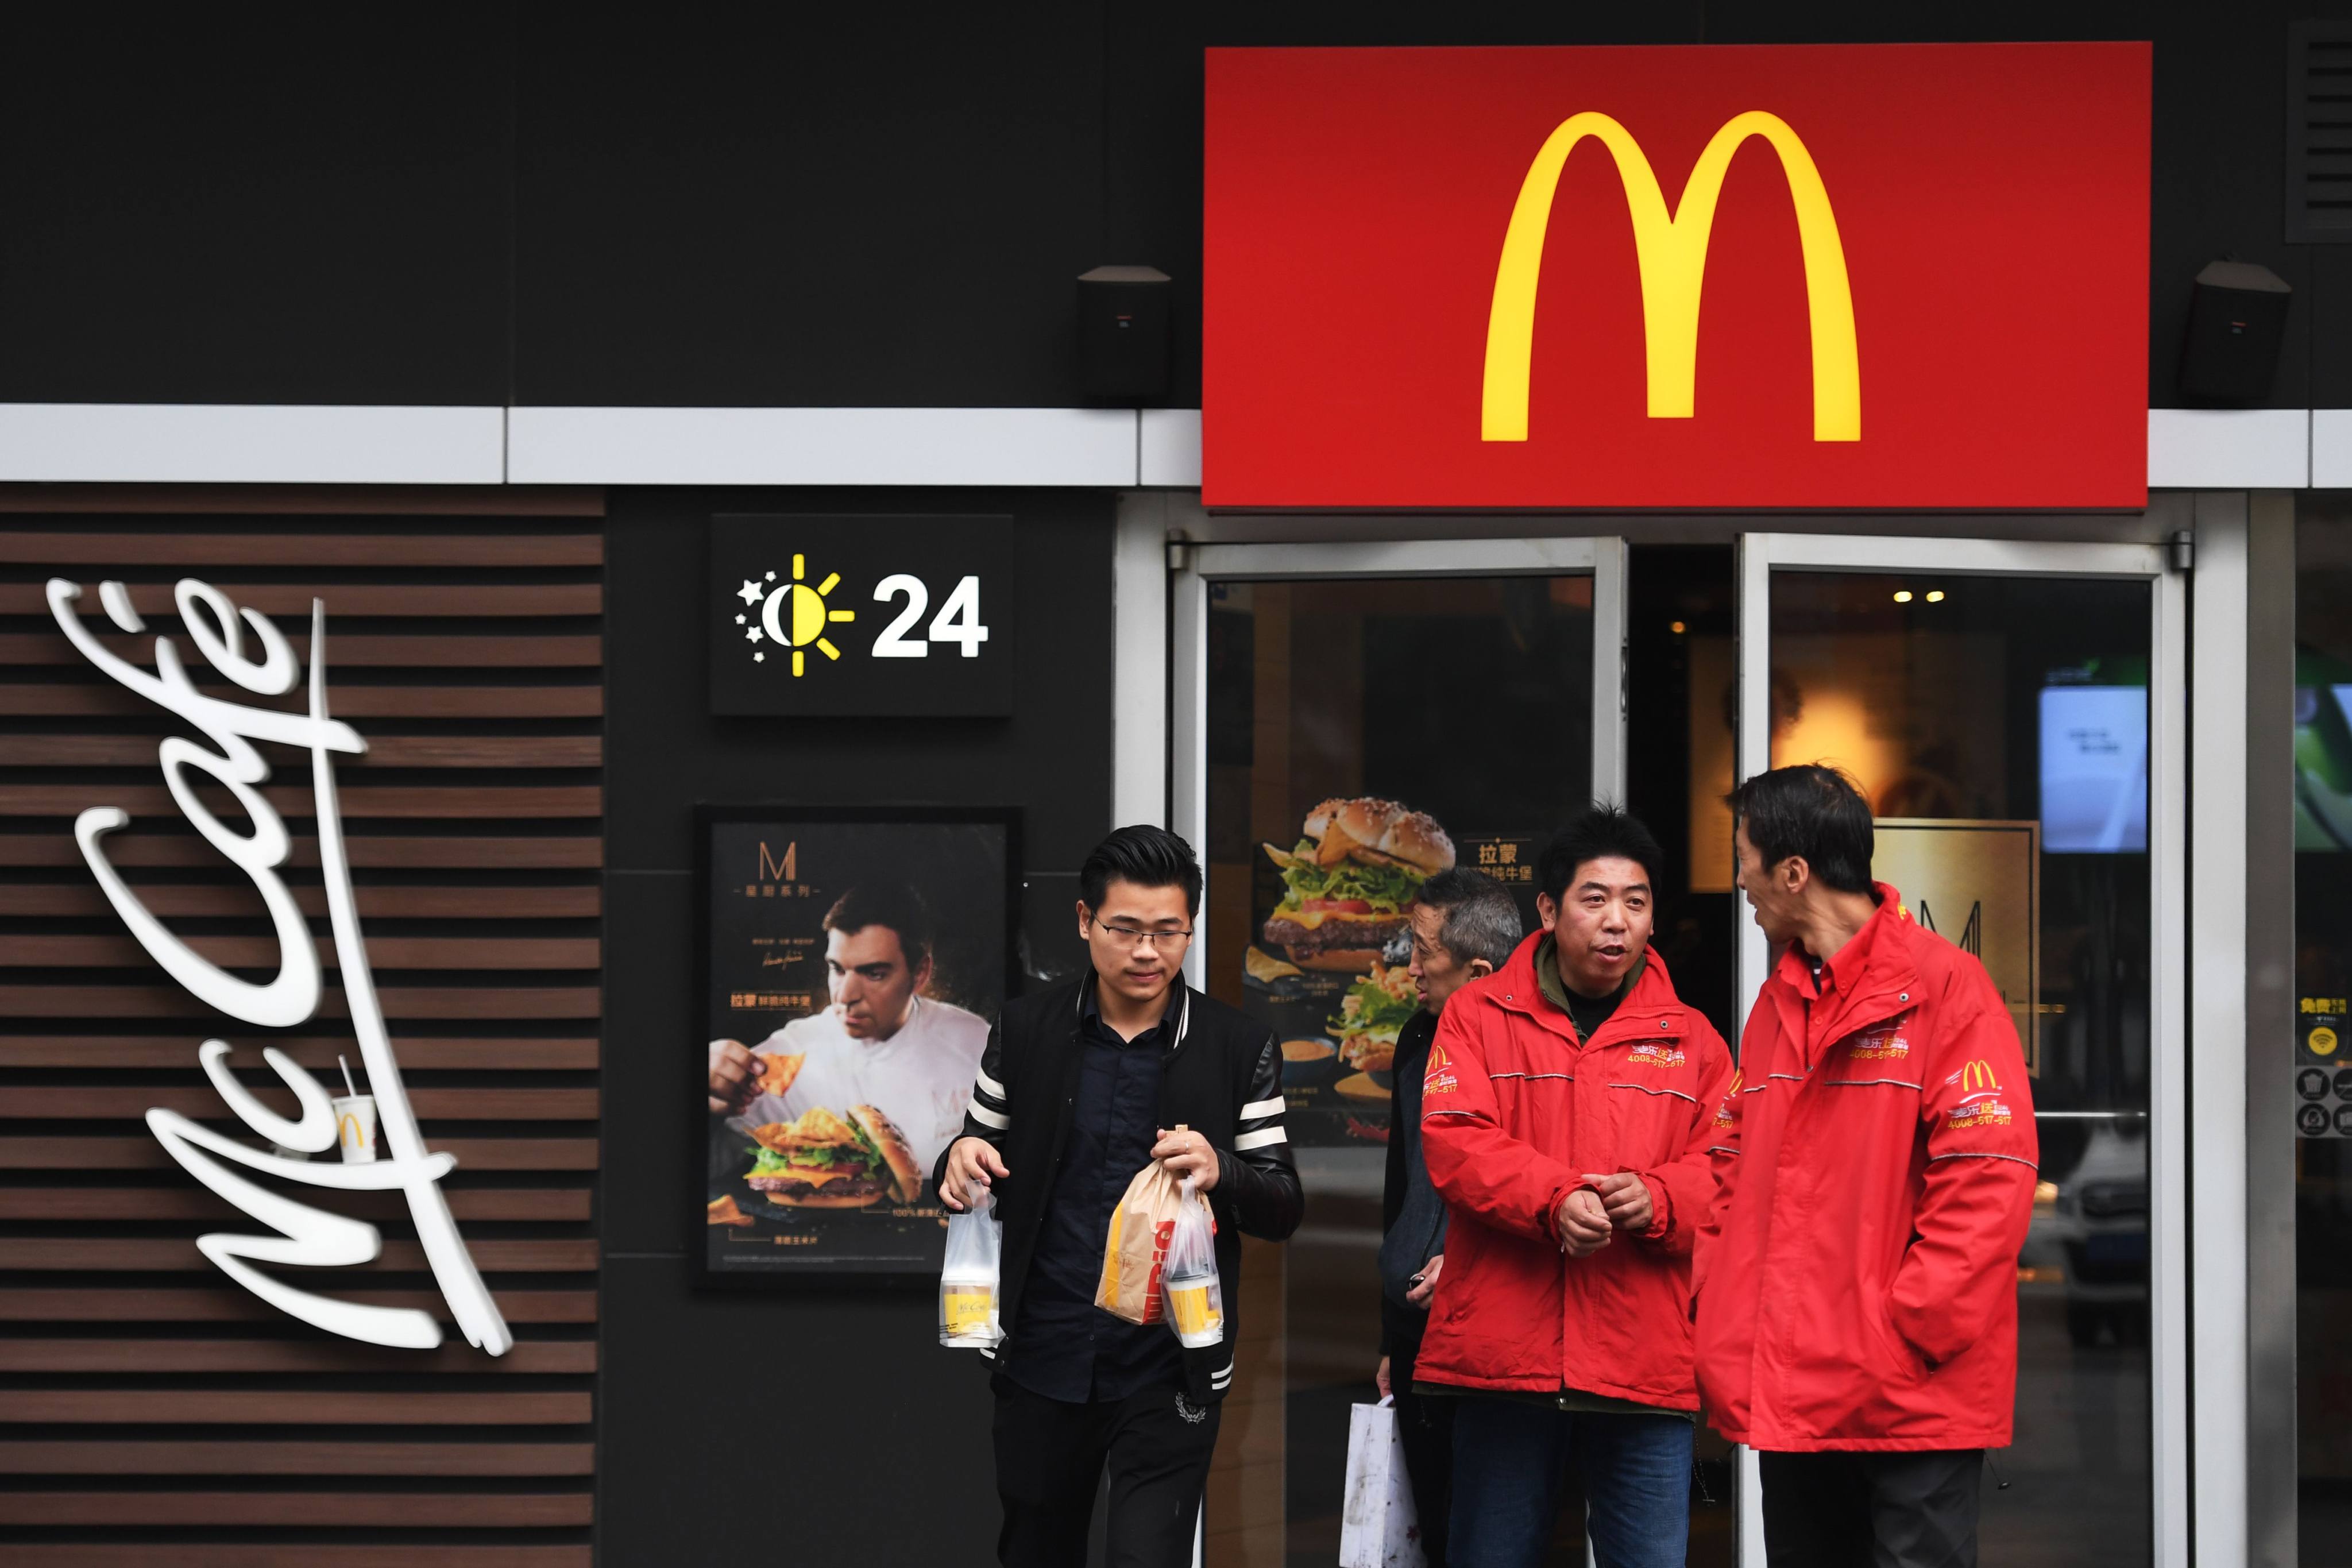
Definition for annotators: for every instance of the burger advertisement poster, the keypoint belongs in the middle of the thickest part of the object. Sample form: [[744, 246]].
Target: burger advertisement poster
[[1329, 967], [852, 961]]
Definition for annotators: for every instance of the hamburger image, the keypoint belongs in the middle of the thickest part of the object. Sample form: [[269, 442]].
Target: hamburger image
[[1351, 878], [824, 1162], [1373, 1013]]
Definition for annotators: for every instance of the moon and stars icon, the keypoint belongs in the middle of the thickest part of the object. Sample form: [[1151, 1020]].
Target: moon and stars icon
[[790, 616]]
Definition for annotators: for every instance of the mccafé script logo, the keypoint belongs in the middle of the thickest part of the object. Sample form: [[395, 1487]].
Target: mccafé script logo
[[820, 616], [306, 1236], [1473, 277]]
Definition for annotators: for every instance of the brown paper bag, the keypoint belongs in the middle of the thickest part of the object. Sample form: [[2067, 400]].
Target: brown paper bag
[[1137, 1247]]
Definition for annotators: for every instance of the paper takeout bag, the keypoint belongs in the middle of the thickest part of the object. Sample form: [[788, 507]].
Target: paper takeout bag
[[1136, 1248]]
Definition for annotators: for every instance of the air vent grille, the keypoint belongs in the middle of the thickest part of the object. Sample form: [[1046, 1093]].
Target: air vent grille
[[2319, 134]]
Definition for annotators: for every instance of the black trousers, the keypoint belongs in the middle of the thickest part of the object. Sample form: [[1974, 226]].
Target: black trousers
[[1050, 1457], [1872, 1510], [1425, 1428]]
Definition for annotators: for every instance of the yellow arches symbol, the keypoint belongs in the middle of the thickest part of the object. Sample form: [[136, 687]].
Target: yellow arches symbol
[[1671, 248]]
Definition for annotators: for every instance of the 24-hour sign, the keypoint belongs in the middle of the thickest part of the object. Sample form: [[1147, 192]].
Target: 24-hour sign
[[903, 616]]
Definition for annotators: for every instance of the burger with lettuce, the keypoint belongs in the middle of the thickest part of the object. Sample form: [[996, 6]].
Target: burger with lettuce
[[1371, 1015], [1350, 882], [826, 1161]]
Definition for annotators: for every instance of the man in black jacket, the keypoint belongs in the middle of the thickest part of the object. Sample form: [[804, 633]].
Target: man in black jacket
[[1080, 1087], [1465, 925]]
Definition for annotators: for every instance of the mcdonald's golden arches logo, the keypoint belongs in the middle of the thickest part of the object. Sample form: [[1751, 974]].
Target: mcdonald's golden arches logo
[[1976, 1078], [1670, 247], [1439, 1079]]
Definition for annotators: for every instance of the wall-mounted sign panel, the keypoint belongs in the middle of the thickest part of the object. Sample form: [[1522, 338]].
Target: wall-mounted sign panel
[[888, 616], [1978, 886], [1832, 276], [852, 960]]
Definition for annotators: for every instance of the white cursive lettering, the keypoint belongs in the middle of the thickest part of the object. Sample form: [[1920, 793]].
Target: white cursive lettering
[[307, 1237]]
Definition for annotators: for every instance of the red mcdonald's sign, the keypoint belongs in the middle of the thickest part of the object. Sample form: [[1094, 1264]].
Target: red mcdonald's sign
[[1765, 275]]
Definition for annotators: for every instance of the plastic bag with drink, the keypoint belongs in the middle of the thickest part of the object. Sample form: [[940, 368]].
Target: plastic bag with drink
[[968, 1317], [1196, 1301], [1135, 1252]]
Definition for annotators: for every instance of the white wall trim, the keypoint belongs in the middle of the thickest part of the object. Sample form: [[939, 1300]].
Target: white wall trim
[[2217, 1029], [234, 443], [1139, 661], [2228, 448], [1087, 447], [1119, 448], [2331, 449], [1168, 449]]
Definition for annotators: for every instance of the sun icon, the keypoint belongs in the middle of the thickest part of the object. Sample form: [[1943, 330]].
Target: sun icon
[[794, 614]]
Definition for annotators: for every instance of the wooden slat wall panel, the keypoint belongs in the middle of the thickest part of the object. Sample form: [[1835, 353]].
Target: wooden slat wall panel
[[465, 642], [183, 1305], [421, 853], [140, 1152], [77, 1555], [321, 1459]]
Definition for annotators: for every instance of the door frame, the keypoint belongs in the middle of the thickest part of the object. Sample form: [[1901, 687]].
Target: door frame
[[2170, 1125], [1602, 556]]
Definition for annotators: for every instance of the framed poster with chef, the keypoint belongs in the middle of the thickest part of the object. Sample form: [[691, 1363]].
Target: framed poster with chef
[[853, 959]]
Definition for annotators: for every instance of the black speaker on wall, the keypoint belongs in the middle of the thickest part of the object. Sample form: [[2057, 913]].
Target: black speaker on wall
[[2237, 319], [1123, 332]]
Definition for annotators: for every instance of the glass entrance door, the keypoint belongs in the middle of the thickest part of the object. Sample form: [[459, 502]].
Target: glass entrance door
[[1470, 689], [2014, 712]]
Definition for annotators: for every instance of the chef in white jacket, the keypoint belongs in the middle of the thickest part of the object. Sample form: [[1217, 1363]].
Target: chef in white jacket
[[881, 1042]]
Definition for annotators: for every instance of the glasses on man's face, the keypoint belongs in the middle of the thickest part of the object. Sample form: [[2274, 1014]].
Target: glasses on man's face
[[1136, 936]]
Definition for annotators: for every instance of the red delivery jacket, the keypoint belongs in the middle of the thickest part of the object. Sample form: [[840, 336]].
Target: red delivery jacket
[[1515, 1111], [1857, 1283]]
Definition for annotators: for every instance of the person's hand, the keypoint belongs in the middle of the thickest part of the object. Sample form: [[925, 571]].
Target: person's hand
[[1627, 1199], [1187, 1154], [1582, 1223], [734, 1076], [1419, 1294], [1380, 1377], [971, 1162]]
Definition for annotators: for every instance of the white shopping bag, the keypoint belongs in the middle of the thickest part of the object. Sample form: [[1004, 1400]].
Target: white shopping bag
[[1377, 1525]]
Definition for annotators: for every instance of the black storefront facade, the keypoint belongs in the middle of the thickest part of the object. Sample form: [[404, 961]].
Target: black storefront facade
[[543, 296]]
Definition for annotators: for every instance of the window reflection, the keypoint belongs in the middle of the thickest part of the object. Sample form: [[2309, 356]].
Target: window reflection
[[1997, 707], [2323, 973]]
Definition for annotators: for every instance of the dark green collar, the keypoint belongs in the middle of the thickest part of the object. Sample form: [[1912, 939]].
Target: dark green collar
[[1580, 1009]]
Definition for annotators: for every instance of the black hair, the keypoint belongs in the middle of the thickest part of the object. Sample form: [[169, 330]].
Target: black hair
[[1482, 918], [1147, 856], [1605, 832], [892, 904], [1811, 811]]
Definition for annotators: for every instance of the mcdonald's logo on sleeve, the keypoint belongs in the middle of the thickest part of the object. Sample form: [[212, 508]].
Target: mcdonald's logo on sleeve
[[1980, 1103], [1867, 275], [1438, 1078]]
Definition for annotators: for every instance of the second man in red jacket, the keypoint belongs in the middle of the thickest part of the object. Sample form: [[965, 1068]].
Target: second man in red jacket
[[1857, 1289], [1565, 1118]]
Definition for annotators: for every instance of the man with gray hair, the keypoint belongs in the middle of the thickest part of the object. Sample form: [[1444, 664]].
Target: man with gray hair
[[1464, 925]]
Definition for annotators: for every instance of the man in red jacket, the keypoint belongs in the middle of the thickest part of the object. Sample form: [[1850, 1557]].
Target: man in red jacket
[[1857, 1285], [1565, 1118]]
